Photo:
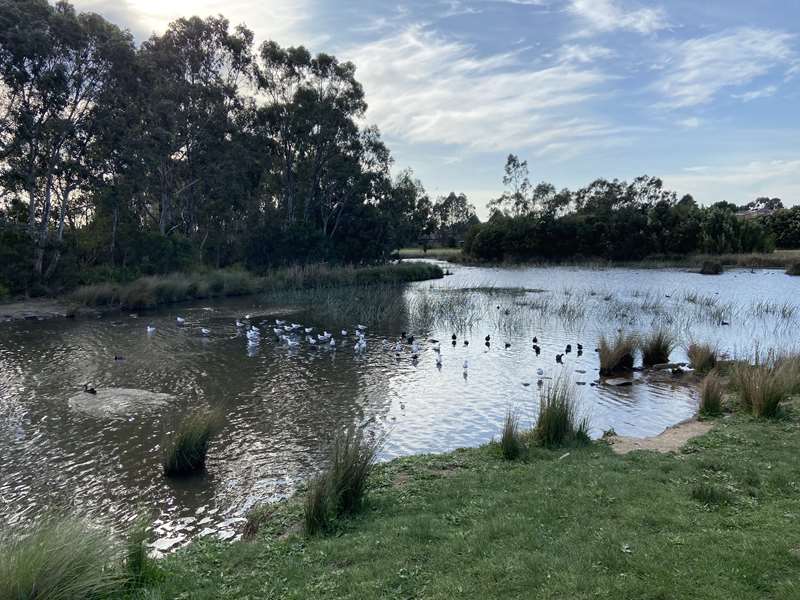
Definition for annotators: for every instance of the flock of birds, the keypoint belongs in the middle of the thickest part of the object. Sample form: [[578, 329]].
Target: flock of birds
[[293, 335]]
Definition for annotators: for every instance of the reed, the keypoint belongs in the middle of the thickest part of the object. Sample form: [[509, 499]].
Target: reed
[[59, 558], [186, 449], [711, 394], [511, 444], [793, 268], [616, 355], [340, 489], [558, 423], [702, 357], [656, 347], [761, 387]]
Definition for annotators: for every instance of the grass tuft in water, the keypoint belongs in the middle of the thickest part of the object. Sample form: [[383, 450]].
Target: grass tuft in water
[[558, 423], [340, 490], [711, 267], [711, 394], [512, 445], [59, 558], [657, 347], [186, 449], [702, 357], [616, 355]]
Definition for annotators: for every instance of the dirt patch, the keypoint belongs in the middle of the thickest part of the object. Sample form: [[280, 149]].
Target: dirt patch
[[670, 440]]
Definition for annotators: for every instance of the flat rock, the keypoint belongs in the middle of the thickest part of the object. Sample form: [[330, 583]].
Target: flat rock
[[117, 402]]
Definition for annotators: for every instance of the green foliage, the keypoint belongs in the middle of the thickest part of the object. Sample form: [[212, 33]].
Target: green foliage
[[58, 558], [656, 347], [140, 568], [184, 451], [558, 423], [341, 488]]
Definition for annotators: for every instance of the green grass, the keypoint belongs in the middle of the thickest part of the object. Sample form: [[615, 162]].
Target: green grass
[[185, 450], [656, 347], [59, 558], [716, 522], [149, 292]]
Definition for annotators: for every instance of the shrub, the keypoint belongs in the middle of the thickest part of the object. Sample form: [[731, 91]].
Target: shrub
[[341, 488], [60, 558], [711, 267], [793, 269], [761, 388], [711, 393], [616, 355], [511, 444], [657, 347], [558, 423], [702, 357], [185, 451]]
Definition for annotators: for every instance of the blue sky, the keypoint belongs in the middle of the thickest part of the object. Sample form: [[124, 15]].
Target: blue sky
[[704, 94]]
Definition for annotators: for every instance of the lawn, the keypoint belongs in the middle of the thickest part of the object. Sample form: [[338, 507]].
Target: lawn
[[717, 520]]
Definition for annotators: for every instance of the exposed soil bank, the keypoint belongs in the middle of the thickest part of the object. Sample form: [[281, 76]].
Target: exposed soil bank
[[671, 440]]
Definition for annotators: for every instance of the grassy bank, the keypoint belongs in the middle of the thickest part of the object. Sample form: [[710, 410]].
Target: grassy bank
[[715, 522], [148, 292], [780, 259]]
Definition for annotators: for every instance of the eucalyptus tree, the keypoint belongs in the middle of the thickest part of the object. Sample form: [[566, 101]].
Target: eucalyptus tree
[[57, 70]]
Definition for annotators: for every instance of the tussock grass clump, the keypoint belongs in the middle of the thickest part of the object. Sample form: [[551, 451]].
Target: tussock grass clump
[[711, 267], [558, 423], [761, 387], [702, 357], [59, 558], [511, 443], [793, 269], [710, 494], [141, 570], [340, 489], [711, 394], [617, 355], [657, 347], [186, 448]]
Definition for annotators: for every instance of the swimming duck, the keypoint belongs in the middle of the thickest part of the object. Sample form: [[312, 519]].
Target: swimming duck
[[204, 331], [180, 320], [488, 338], [568, 349], [278, 322], [508, 345], [239, 324], [559, 357], [535, 340], [309, 329], [466, 342], [344, 332], [89, 390], [151, 329]]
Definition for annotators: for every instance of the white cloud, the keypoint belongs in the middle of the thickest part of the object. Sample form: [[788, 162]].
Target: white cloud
[[285, 21], [609, 15], [690, 123], [740, 183], [584, 53], [756, 94], [698, 69], [423, 88]]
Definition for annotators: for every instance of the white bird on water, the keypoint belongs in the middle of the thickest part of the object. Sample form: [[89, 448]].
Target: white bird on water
[[239, 324], [344, 332], [151, 329], [205, 331], [311, 340], [180, 320], [333, 343], [280, 323], [309, 329]]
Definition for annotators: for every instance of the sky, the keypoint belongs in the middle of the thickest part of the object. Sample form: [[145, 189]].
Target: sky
[[705, 95]]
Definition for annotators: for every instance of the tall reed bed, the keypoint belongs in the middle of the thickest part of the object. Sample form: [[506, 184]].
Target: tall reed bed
[[702, 357], [712, 392], [763, 386], [512, 445], [558, 422], [340, 489], [148, 292]]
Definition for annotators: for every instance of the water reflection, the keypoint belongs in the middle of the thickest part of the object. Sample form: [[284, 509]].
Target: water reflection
[[281, 404]]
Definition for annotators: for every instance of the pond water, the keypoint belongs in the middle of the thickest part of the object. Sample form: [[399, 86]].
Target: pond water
[[100, 455]]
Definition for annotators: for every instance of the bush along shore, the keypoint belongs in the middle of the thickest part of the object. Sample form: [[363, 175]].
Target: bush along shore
[[149, 292], [539, 513]]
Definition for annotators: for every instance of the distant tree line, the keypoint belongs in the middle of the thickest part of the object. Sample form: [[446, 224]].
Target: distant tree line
[[192, 148], [617, 220]]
